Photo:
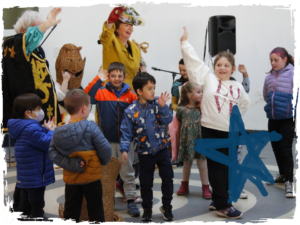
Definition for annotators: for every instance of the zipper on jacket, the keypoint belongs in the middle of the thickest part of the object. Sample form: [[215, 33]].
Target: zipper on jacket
[[118, 122], [272, 102], [44, 162], [119, 138]]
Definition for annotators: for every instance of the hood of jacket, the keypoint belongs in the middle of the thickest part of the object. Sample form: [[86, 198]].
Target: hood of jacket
[[110, 87], [67, 137], [16, 126], [144, 105]]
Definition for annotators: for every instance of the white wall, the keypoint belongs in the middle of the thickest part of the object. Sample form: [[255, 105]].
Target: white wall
[[259, 29]]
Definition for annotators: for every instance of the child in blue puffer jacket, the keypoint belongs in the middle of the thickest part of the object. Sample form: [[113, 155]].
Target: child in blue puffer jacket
[[34, 168], [143, 123]]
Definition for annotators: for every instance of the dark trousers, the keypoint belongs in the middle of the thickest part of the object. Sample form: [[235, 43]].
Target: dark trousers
[[283, 148], [147, 167], [32, 201], [93, 195], [17, 198], [217, 172]]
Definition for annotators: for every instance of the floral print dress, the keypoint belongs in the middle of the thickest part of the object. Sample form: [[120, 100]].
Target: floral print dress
[[189, 131]]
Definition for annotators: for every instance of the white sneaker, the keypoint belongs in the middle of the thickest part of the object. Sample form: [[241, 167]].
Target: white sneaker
[[138, 200], [289, 190], [243, 195]]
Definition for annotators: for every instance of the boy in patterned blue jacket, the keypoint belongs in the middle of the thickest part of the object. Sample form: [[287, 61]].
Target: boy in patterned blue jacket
[[143, 123]]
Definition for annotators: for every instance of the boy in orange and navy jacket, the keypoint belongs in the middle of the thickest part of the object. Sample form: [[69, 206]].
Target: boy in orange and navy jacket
[[112, 100]]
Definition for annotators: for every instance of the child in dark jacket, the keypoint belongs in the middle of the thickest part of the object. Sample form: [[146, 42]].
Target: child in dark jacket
[[111, 101], [144, 122], [34, 168], [80, 149]]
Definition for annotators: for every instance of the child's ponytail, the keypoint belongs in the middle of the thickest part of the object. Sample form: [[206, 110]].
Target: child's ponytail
[[290, 59]]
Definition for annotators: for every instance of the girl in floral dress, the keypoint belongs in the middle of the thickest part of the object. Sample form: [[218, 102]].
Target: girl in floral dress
[[188, 113]]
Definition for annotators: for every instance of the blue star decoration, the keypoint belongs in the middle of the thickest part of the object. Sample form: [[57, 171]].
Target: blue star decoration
[[252, 167]]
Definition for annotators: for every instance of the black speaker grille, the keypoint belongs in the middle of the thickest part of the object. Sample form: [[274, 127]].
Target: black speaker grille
[[227, 42]]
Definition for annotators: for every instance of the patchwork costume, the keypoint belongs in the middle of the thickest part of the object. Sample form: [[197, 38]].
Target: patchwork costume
[[25, 70]]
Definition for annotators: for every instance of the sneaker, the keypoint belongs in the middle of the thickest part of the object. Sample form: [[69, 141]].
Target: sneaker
[[120, 189], [138, 200], [167, 212], [133, 210], [212, 206], [230, 212], [278, 180], [289, 190], [243, 195], [147, 216]]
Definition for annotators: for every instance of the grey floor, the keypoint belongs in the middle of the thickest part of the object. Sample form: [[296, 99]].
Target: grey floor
[[191, 207]]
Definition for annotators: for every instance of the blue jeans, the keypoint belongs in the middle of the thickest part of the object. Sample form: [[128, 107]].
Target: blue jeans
[[147, 167]]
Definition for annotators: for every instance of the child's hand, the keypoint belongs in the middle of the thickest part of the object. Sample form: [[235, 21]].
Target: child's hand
[[124, 158], [143, 69], [66, 76], [163, 99], [185, 35], [50, 125], [242, 69], [82, 164], [103, 75]]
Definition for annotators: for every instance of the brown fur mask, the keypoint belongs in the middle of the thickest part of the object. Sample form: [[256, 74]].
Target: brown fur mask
[[69, 59]]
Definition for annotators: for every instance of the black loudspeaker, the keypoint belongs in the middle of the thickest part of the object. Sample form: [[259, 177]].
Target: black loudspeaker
[[221, 35]]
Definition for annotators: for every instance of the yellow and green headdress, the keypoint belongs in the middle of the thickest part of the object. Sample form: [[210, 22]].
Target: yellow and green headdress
[[130, 16]]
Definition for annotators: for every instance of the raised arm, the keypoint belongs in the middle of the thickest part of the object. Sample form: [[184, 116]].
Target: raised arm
[[51, 20], [246, 82], [109, 26], [34, 35], [196, 69], [165, 115], [95, 85]]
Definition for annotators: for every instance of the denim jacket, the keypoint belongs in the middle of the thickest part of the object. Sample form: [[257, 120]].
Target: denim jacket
[[143, 123]]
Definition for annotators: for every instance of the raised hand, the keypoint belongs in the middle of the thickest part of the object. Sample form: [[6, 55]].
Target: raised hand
[[51, 20], [164, 97], [103, 75], [242, 69], [143, 69], [66, 75], [116, 13], [50, 125], [185, 35]]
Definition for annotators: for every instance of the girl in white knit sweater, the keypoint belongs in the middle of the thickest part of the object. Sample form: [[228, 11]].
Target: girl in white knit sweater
[[219, 96]]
